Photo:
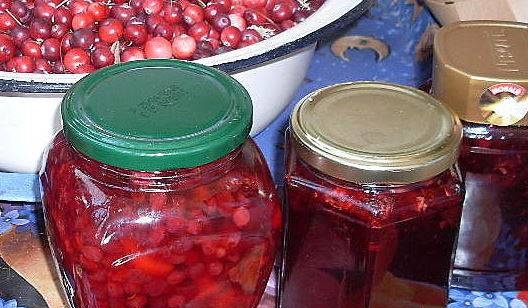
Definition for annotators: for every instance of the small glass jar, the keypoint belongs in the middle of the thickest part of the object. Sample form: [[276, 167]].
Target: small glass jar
[[374, 199], [154, 194], [481, 72]]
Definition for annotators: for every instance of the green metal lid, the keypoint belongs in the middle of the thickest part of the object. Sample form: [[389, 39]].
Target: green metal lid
[[156, 115]]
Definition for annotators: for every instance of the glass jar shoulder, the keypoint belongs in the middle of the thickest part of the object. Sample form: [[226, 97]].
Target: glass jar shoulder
[[373, 204]]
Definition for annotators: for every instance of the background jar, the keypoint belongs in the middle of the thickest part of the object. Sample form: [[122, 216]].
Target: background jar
[[374, 198], [154, 194], [481, 72]]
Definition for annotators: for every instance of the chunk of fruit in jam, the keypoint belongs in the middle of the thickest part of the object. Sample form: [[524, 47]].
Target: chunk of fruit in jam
[[125, 239]]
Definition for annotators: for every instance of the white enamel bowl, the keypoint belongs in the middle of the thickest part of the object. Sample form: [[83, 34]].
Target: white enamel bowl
[[270, 70]]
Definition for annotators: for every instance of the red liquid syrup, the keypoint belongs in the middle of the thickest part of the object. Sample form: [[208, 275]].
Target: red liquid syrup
[[368, 246], [200, 237], [492, 251]]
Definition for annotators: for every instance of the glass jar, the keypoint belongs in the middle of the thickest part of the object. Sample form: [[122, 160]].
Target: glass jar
[[481, 72], [374, 199], [154, 194]]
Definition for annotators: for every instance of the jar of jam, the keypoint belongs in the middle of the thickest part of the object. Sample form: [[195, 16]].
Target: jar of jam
[[154, 195], [481, 72], [374, 199]]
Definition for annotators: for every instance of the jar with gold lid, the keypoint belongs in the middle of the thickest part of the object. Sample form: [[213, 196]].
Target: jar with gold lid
[[374, 198], [481, 72]]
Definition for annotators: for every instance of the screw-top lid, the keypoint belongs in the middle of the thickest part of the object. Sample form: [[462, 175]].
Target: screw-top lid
[[156, 115], [372, 132], [481, 71]]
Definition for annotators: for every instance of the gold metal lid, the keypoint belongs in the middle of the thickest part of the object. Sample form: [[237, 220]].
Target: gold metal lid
[[481, 71], [369, 132]]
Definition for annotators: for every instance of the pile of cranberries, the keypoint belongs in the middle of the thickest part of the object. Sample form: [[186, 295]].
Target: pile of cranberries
[[80, 36]]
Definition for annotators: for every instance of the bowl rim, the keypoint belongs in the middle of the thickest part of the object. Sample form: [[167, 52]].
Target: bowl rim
[[280, 45]]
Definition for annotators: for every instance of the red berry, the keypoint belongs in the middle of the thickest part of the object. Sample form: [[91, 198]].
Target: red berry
[[158, 48], [183, 46], [7, 48], [254, 17], [78, 6], [221, 21], [58, 68], [124, 13], [44, 11], [193, 14], [75, 58], [164, 30], [5, 5], [19, 9], [137, 301], [19, 34], [178, 30], [137, 34], [63, 16], [137, 5], [287, 24], [66, 43], [42, 66], [255, 4], [152, 6], [238, 10], [31, 49], [281, 10], [132, 54], [241, 217], [111, 30], [98, 11], [7, 22], [82, 21], [250, 36], [153, 21], [199, 30], [51, 49], [176, 301], [83, 38], [40, 29], [172, 13], [225, 3], [59, 30], [23, 64], [238, 21], [212, 10], [231, 36]]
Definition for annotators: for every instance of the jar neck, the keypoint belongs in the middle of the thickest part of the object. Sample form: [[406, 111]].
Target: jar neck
[[156, 180]]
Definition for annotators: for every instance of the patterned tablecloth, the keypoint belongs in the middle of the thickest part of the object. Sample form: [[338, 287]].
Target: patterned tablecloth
[[26, 278]]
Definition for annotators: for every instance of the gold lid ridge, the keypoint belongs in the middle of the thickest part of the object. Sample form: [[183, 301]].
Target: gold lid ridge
[[370, 132]]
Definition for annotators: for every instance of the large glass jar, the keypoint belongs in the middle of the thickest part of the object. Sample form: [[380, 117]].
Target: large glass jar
[[481, 71], [154, 195], [374, 199]]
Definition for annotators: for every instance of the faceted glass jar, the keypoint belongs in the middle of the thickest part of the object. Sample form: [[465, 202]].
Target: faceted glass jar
[[374, 202], [368, 245], [492, 252], [155, 196], [198, 237]]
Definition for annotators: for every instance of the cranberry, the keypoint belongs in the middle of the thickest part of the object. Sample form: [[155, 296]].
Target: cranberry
[[221, 21], [225, 3], [250, 36], [7, 22], [7, 48], [206, 46], [213, 35], [51, 49], [82, 21], [238, 10], [137, 34], [63, 16], [152, 7], [83, 38], [254, 17], [212, 10], [42, 66], [132, 54], [23, 64], [31, 49], [172, 13], [282, 10], [75, 58], [193, 14], [287, 24], [78, 6], [153, 21], [178, 30], [59, 30], [5, 5], [231, 36], [164, 30], [111, 30], [98, 11], [102, 57], [137, 5], [44, 11], [123, 12], [183, 46], [222, 49], [300, 16], [40, 29], [199, 30], [19, 35], [58, 68], [19, 9], [158, 48], [255, 4], [66, 43], [238, 21]]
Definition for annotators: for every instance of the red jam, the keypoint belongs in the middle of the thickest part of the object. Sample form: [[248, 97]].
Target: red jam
[[200, 237], [368, 245], [492, 250]]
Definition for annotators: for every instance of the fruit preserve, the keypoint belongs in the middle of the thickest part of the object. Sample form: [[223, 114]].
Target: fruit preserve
[[486, 84], [154, 195], [374, 199]]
